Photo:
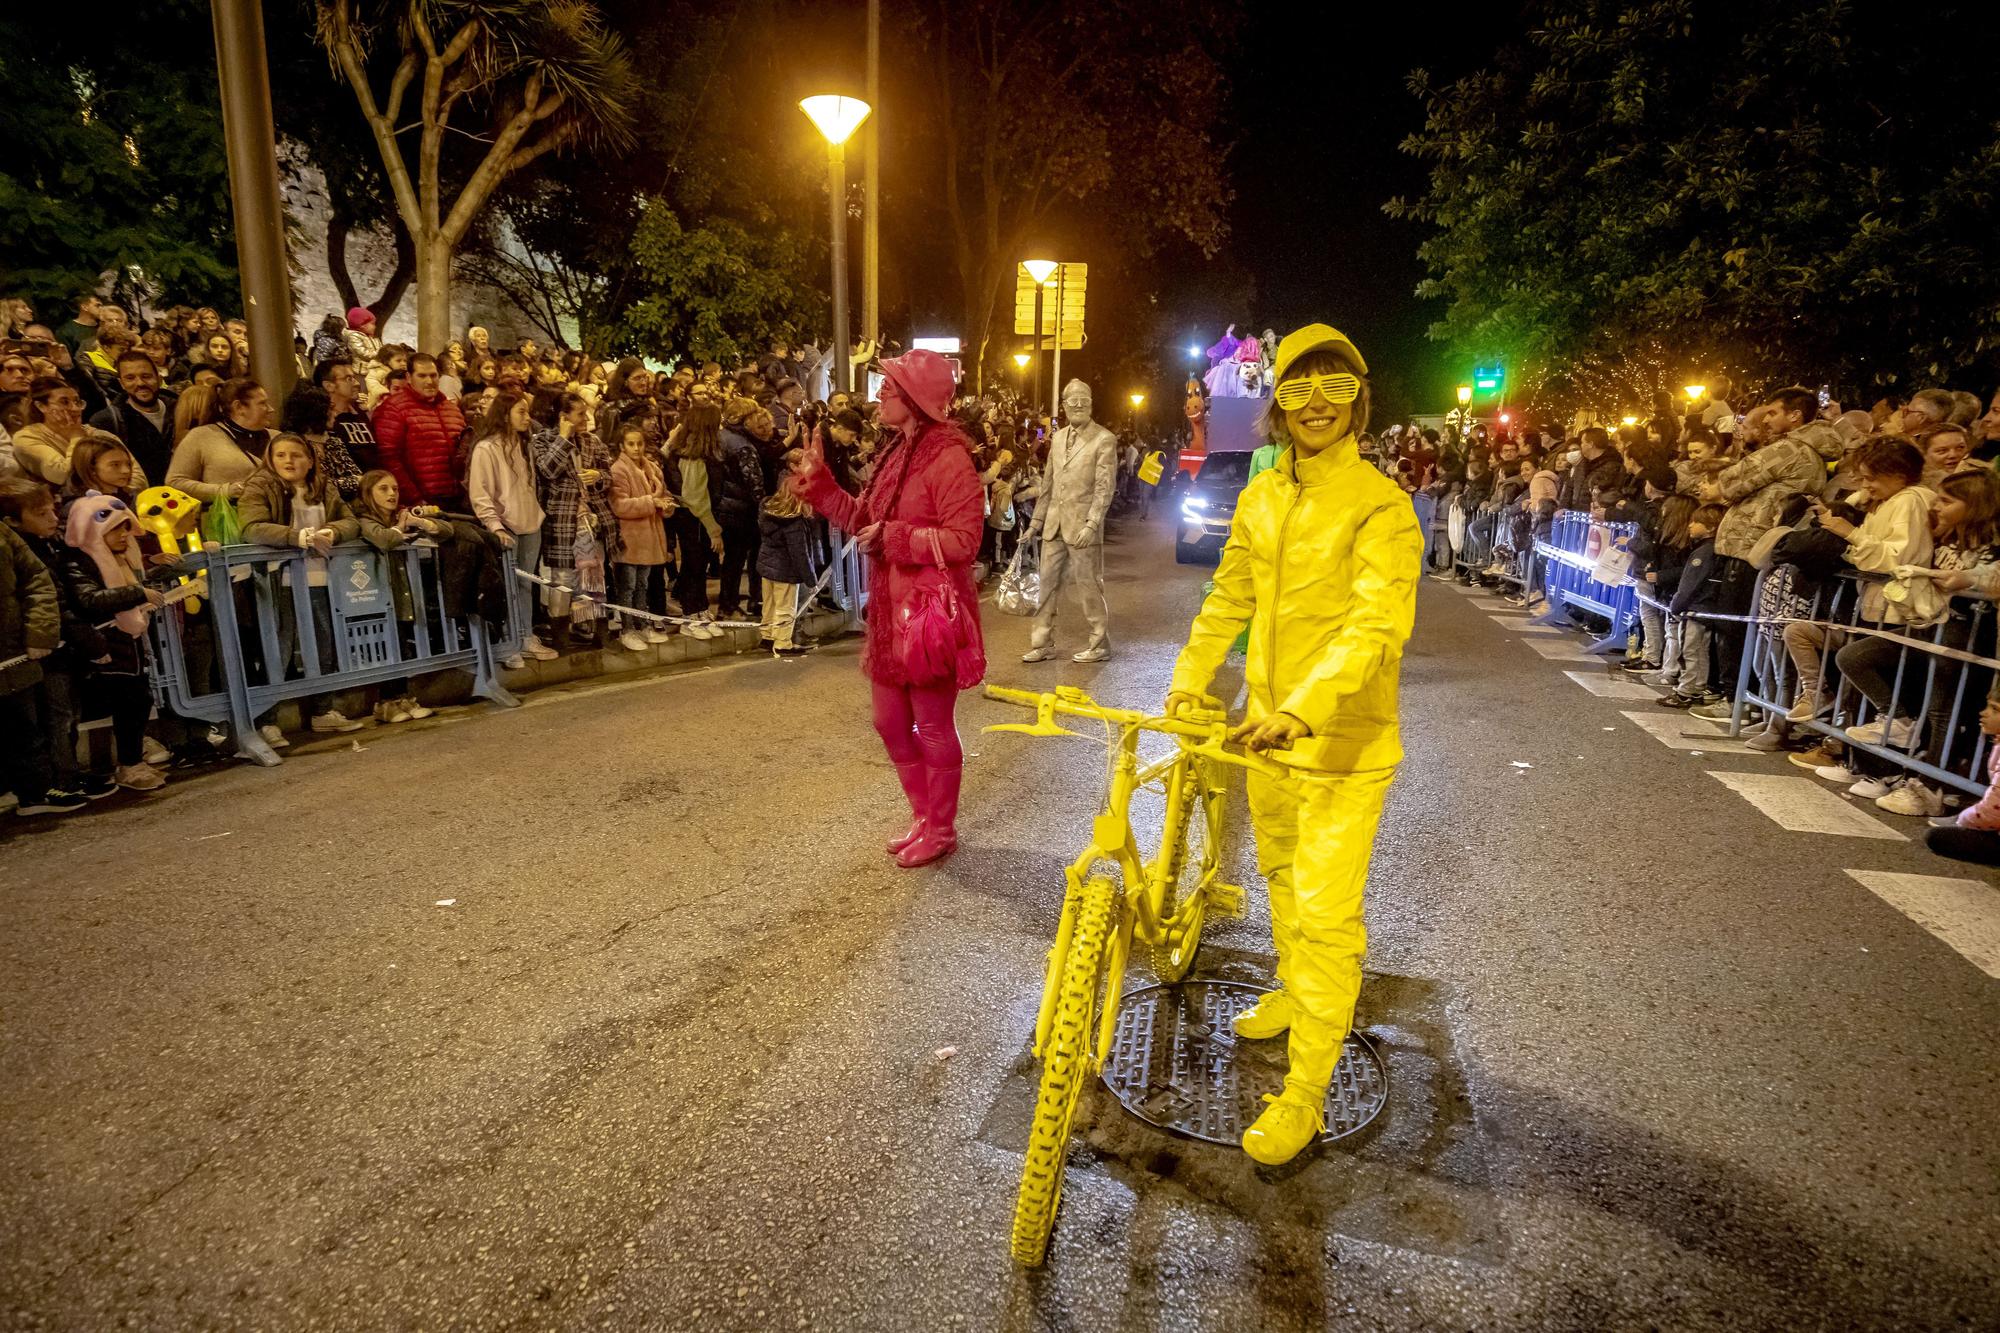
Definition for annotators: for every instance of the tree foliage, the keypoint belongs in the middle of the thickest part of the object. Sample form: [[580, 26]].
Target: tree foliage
[[1804, 188], [114, 157], [1064, 122], [524, 78]]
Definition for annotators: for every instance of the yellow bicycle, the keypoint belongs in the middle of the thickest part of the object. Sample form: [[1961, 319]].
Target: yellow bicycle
[[1164, 904]]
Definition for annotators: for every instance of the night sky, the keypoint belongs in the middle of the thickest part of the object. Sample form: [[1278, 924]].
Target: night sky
[[1320, 93]]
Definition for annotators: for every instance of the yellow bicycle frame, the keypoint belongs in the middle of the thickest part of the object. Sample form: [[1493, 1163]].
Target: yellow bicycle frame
[[1146, 887]]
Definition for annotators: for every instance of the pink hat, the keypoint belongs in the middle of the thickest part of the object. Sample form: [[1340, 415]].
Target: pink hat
[[926, 380], [360, 317]]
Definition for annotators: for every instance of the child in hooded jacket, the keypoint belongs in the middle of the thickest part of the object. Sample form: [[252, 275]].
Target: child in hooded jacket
[[106, 579], [1700, 590], [784, 558]]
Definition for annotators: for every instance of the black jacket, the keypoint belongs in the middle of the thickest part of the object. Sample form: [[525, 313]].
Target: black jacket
[[95, 604], [784, 551], [1607, 469], [1700, 587], [736, 484], [151, 447]]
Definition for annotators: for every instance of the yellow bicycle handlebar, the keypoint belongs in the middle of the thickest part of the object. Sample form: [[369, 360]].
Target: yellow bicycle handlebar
[[1212, 729]]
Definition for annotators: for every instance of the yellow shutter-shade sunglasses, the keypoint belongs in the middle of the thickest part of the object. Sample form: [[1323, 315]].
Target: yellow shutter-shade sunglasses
[[1339, 387]]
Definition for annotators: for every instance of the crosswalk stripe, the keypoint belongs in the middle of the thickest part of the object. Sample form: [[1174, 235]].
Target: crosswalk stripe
[[1612, 687], [1964, 913], [1522, 625], [1671, 730], [1802, 805]]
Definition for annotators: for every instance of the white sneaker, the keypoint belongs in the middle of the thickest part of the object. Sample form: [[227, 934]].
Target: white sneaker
[[416, 710], [1870, 789], [711, 630], [1840, 773], [1899, 733], [654, 634], [141, 776], [334, 720], [156, 753], [1040, 652], [1912, 798], [391, 711], [632, 641], [273, 737], [514, 663], [538, 650], [1097, 654]]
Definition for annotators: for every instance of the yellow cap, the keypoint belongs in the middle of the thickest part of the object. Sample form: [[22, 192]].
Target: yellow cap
[[1312, 338]]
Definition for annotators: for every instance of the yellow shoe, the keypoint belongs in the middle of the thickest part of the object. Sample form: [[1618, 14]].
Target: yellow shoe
[[1267, 1018], [1288, 1124]]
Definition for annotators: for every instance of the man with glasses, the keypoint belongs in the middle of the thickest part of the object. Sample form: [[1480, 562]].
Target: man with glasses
[[1077, 487], [42, 448]]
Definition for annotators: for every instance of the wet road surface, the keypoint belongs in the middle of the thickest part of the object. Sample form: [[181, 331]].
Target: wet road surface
[[670, 1059]]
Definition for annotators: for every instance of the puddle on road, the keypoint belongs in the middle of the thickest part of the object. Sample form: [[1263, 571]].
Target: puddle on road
[[1417, 1178]]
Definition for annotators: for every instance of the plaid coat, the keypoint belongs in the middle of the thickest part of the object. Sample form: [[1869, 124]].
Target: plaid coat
[[559, 465]]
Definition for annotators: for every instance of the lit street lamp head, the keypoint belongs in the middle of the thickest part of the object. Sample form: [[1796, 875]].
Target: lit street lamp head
[[836, 117], [1694, 391], [1021, 360], [1138, 399], [1040, 269], [1464, 394]]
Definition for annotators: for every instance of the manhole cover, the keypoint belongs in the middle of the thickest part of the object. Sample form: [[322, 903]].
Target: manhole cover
[[1176, 1064]]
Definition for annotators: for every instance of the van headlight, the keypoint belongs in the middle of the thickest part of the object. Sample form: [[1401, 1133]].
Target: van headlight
[[1193, 506]]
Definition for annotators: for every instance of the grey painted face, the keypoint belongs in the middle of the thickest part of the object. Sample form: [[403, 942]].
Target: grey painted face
[[1076, 407]]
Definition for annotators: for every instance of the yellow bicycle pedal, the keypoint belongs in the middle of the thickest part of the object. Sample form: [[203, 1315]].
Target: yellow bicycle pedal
[[1226, 899]]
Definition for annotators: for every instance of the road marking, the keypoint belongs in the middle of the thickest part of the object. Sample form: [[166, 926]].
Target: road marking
[[1522, 625], [1612, 687], [1964, 913], [1802, 805], [1561, 650], [1495, 604], [1670, 730]]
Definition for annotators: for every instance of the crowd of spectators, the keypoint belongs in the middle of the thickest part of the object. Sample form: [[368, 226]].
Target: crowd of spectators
[[606, 484], [1887, 516]]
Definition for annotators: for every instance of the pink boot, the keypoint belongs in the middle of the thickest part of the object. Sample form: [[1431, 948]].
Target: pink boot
[[916, 788], [939, 835]]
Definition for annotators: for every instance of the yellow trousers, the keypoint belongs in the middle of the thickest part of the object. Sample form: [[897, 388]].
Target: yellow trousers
[[1315, 833]]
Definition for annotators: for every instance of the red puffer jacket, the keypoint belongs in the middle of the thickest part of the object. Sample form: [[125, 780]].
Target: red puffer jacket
[[417, 437], [940, 496]]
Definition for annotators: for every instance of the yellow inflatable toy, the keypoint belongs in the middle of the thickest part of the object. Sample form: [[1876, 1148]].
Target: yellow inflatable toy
[[174, 517], [1321, 567]]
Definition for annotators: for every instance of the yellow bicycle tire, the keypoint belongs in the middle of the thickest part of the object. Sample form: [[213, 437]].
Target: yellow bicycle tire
[[1174, 953], [1066, 1061]]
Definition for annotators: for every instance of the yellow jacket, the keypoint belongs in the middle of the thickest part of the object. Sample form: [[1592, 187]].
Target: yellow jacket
[[1322, 564]]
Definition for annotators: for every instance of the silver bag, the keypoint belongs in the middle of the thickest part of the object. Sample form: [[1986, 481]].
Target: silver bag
[[1020, 591]]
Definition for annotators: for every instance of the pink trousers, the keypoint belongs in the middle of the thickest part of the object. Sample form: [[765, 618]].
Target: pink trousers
[[917, 726]]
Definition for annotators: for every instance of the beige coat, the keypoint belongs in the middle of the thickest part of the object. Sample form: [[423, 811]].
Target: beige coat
[[642, 531], [1077, 485], [207, 464]]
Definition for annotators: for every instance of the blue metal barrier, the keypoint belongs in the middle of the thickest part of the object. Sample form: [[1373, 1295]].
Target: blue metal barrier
[[367, 645], [1569, 556], [1951, 697]]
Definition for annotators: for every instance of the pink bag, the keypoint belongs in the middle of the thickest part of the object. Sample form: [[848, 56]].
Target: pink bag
[[931, 626]]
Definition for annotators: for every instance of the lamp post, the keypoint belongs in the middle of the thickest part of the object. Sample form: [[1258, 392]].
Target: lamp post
[[837, 117], [1138, 401], [1040, 270], [242, 67]]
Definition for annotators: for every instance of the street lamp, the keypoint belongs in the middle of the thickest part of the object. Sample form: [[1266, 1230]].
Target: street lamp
[[1464, 394], [1041, 270], [1138, 400], [837, 118], [1020, 360], [1694, 391]]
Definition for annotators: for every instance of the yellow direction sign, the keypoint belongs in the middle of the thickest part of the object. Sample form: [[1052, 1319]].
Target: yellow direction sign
[[1064, 296]]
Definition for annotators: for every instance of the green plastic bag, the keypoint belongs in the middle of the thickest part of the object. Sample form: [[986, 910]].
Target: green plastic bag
[[219, 522]]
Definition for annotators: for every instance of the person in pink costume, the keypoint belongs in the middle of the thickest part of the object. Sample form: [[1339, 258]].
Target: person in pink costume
[[919, 520]]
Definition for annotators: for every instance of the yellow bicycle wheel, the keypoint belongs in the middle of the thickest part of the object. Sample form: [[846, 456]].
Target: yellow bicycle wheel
[[1065, 1069], [1186, 842]]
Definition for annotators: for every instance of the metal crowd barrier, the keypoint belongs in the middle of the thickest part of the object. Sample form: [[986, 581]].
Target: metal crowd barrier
[[367, 645], [1569, 558], [1953, 691]]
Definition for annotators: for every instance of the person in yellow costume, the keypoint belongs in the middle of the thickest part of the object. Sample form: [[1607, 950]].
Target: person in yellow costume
[[1321, 565]]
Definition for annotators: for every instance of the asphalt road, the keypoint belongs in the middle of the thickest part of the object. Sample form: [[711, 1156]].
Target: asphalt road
[[671, 1057]]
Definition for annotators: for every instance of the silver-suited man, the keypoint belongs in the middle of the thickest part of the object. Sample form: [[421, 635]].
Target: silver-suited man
[[1077, 486]]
